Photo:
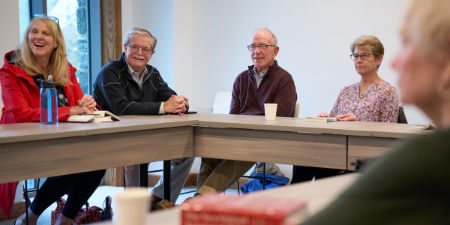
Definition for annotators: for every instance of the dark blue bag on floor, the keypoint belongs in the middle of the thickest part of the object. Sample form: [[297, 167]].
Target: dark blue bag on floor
[[271, 182]]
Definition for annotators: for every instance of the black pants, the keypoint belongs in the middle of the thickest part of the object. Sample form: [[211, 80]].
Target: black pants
[[79, 187], [306, 173]]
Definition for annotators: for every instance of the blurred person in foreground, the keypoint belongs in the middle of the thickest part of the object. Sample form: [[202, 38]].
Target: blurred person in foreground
[[410, 185], [43, 53]]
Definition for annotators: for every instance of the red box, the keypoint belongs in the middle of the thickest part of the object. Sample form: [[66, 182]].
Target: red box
[[219, 209]]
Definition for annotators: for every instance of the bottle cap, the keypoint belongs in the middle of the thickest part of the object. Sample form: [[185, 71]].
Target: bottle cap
[[47, 84]]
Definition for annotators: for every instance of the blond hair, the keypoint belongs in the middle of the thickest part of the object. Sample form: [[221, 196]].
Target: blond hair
[[57, 65], [428, 23], [373, 43]]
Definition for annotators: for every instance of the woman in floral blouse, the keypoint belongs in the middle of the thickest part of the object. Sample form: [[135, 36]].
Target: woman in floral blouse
[[372, 99]]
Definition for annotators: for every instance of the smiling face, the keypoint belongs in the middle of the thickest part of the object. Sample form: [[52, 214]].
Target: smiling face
[[366, 66], [41, 40], [138, 52], [263, 58]]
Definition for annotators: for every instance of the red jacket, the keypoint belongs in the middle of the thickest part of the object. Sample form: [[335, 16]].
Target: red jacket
[[20, 95]]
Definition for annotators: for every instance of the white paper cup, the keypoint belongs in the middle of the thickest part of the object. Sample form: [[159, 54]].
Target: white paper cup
[[131, 206], [270, 110]]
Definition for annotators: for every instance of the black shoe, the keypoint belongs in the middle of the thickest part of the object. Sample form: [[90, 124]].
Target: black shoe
[[154, 200]]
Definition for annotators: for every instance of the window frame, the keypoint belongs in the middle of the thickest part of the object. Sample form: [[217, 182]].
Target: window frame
[[94, 35]]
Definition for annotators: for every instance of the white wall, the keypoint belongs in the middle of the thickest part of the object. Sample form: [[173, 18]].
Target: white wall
[[156, 16], [201, 43], [183, 49], [210, 39], [314, 39], [9, 24]]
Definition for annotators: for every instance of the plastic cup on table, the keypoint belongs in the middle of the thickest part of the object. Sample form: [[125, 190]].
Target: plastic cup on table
[[131, 206], [270, 110]]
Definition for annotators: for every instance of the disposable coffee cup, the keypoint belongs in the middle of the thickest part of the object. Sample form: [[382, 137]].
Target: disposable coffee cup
[[270, 110], [131, 206]]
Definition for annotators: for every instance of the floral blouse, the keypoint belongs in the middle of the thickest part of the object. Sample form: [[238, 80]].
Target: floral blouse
[[378, 103]]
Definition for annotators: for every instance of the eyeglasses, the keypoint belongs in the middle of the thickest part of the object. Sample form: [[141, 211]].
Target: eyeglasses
[[136, 48], [363, 56], [252, 48], [47, 16]]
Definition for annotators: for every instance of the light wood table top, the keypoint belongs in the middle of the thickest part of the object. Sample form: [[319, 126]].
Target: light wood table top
[[353, 128], [318, 195], [19, 132], [32, 150], [10, 133], [29, 150]]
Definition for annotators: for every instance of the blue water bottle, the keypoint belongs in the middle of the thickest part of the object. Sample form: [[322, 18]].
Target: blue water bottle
[[49, 102]]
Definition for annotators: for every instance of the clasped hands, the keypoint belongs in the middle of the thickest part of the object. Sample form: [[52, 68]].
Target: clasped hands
[[176, 104], [86, 105], [342, 117]]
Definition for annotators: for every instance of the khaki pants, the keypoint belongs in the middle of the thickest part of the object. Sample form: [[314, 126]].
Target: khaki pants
[[216, 175]]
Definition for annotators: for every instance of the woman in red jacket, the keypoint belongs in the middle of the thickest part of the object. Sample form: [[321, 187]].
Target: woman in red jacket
[[43, 53]]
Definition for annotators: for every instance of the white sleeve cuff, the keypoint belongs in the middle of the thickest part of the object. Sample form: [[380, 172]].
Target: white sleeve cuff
[[161, 108]]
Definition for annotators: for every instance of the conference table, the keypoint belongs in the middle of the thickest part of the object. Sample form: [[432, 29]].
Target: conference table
[[32, 150], [317, 194]]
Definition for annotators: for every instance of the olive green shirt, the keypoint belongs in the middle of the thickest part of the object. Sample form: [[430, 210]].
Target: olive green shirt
[[410, 185]]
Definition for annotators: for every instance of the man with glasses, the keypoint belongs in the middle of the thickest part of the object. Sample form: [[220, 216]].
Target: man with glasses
[[263, 82], [129, 86]]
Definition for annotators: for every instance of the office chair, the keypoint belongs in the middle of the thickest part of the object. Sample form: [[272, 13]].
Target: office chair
[[401, 115]]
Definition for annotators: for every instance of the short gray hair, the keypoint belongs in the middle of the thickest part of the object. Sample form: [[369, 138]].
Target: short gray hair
[[136, 31], [373, 44], [274, 38]]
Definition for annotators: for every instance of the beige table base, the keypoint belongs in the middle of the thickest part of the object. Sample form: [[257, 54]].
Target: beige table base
[[367, 147], [271, 146], [42, 158]]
